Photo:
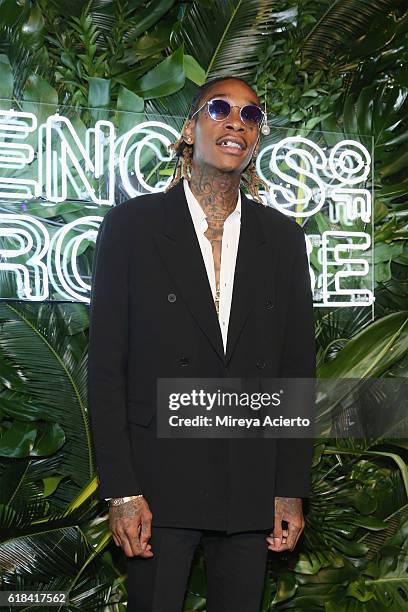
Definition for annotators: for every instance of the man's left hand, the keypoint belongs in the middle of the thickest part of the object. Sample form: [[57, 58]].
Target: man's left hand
[[287, 509]]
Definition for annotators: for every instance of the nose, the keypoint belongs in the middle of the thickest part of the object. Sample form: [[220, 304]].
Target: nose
[[233, 121]]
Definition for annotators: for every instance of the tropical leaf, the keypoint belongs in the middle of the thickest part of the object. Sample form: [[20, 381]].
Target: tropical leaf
[[21, 39], [344, 22], [6, 77], [376, 540], [345, 559], [330, 571], [163, 80], [336, 327], [383, 584], [372, 351], [226, 36], [65, 561], [35, 340]]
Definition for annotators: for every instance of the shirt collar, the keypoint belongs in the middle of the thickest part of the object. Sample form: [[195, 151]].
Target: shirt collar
[[197, 213]]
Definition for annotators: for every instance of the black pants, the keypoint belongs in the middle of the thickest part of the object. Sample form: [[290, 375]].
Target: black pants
[[235, 568]]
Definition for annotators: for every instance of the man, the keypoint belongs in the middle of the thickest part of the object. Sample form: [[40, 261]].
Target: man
[[199, 281]]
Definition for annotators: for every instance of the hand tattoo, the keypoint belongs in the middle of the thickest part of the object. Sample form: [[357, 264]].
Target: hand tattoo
[[288, 505], [287, 509], [130, 524], [127, 510]]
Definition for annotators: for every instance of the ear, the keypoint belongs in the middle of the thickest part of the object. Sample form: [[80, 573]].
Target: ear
[[188, 132]]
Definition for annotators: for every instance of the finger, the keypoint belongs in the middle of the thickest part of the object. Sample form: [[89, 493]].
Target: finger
[[145, 533], [147, 552], [276, 545], [292, 535], [126, 547], [276, 542], [131, 543], [134, 542], [134, 539], [277, 529], [130, 547], [299, 534], [116, 539]]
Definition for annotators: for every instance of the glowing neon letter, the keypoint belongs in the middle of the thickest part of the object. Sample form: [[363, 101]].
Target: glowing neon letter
[[358, 297], [60, 129], [31, 277], [16, 125], [63, 253]]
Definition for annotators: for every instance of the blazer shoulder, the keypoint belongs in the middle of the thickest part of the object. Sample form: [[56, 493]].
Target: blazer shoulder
[[274, 220], [140, 208]]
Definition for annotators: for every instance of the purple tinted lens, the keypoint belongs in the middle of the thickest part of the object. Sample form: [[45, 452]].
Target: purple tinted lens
[[251, 114], [219, 109]]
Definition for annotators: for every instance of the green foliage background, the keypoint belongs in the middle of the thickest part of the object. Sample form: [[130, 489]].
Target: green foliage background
[[337, 66]]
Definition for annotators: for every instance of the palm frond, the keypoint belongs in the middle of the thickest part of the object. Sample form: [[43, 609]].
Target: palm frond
[[226, 36], [24, 61], [343, 23], [52, 370], [65, 560]]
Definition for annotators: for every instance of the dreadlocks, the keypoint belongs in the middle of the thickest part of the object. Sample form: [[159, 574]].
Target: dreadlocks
[[184, 151]]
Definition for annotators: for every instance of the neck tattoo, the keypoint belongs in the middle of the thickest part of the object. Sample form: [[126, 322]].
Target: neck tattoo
[[216, 191], [217, 194]]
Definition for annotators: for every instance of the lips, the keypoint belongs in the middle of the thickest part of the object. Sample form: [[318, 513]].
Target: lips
[[231, 144]]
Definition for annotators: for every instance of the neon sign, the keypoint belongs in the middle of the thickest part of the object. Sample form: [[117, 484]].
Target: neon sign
[[309, 179], [59, 161]]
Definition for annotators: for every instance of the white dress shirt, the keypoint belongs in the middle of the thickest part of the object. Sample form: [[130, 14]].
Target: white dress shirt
[[229, 248]]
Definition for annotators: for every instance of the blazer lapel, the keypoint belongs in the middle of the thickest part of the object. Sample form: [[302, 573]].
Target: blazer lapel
[[249, 271], [181, 254]]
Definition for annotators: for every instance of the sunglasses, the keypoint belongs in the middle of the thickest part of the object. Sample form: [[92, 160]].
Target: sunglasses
[[250, 114]]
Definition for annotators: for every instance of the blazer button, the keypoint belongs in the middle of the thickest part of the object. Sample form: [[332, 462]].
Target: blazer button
[[184, 361], [260, 364], [269, 305], [172, 297]]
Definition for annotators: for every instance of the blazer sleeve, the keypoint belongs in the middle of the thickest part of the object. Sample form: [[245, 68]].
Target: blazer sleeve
[[294, 455], [107, 359]]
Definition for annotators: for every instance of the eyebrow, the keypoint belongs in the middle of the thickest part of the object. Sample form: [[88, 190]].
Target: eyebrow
[[226, 96]]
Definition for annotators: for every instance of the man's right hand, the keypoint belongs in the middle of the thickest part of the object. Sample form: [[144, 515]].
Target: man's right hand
[[130, 524]]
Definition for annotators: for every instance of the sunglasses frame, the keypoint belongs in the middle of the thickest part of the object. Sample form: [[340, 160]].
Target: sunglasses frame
[[208, 102]]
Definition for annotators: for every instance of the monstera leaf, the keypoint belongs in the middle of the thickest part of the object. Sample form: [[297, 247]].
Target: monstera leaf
[[337, 565], [383, 584]]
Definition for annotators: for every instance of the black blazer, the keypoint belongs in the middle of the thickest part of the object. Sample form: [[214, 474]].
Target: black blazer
[[146, 250]]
